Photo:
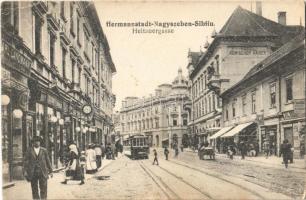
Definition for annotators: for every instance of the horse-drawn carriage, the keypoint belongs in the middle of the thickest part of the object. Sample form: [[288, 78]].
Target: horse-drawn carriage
[[205, 152]]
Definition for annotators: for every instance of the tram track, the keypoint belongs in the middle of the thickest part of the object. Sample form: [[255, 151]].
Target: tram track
[[220, 178], [156, 179], [153, 175]]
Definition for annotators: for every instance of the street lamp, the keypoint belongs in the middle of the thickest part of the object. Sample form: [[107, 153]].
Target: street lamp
[[5, 100], [17, 113]]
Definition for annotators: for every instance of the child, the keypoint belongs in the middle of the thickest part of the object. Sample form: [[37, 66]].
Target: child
[[155, 157], [83, 162]]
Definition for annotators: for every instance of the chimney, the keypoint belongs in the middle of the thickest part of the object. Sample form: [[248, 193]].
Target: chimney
[[258, 8], [282, 18]]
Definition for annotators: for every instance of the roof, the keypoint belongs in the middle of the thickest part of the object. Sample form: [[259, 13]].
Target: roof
[[96, 26], [252, 26], [281, 53], [195, 56]]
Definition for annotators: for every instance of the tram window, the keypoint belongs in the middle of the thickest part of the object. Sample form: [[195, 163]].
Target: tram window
[[140, 141]]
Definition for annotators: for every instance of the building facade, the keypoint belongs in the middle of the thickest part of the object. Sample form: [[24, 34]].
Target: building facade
[[239, 45], [270, 101], [56, 79], [161, 117]]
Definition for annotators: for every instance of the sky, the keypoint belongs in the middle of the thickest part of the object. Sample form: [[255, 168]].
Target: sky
[[144, 61]]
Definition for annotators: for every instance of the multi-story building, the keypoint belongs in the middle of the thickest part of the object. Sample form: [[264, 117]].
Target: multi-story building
[[238, 46], [269, 102], [56, 78], [161, 117]]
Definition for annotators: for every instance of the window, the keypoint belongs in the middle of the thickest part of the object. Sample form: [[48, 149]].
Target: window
[[226, 115], [205, 81], [64, 52], [217, 64], [272, 95], [73, 70], [62, 12], [209, 104], [37, 34], [289, 96], [253, 100], [10, 15], [202, 83], [185, 122], [86, 41], [78, 31], [52, 49], [243, 104], [174, 122], [234, 108], [79, 74], [71, 19]]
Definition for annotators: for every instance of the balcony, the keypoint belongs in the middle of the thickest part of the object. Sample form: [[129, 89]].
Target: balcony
[[41, 6], [53, 21], [64, 34]]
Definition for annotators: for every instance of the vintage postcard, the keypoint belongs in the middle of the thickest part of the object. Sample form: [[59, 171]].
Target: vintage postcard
[[117, 99]]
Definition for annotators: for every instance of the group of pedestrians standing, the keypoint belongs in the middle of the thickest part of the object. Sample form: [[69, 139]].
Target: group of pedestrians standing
[[37, 166]]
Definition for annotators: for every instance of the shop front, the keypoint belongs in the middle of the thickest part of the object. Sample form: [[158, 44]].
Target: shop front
[[16, 66]]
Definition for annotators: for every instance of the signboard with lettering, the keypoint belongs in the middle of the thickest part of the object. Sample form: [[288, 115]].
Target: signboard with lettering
[[15, 59], [246, 51]]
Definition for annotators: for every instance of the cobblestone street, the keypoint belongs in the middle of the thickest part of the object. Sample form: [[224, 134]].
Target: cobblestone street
[[185, 177]]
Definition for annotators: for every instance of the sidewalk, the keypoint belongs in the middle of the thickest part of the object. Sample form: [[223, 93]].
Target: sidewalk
[[22, 189], [273, 161]]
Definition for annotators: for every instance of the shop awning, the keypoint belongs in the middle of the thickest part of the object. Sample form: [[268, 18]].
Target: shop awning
[[221, 132], [236, 130], [165, 139]]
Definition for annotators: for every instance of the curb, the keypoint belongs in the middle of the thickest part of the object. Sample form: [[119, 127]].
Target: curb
[[8, 185], [254, 161]]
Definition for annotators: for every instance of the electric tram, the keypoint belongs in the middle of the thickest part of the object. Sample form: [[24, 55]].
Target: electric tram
[[136, 147]]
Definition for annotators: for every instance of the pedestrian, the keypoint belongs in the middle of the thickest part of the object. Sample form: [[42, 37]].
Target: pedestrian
[[91, 164], [83, 163], [155, 157], [243, 149], [113, 147], [285, 151], [37, 167], [108, 151], [266, 147], [166, 152], [230, 152], [256, 146], [73, 170], [182, 148], [98, 151], [176, 149]]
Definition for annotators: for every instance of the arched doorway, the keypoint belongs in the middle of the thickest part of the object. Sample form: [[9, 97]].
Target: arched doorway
[[185, 140]]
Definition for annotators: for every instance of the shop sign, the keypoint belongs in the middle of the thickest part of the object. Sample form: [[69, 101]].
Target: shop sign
[[54, 101], [15, 59], [246, 51]]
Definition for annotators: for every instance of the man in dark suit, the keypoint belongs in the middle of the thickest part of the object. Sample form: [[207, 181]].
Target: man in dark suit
[[37, 167]]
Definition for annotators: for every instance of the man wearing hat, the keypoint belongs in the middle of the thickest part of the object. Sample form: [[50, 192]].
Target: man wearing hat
[[37, 167]]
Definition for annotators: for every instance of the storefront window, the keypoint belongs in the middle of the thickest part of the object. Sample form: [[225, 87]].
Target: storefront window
[[39, 119], [5, 145]]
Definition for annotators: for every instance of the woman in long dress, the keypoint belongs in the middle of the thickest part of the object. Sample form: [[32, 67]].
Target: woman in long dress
[[91, 164], [73, 170]]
